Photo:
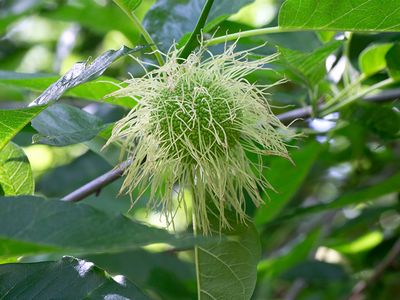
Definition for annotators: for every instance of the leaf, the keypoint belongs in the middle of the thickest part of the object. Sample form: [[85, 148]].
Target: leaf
[[393, 61], [61, 125], [82, 72], [132, 4], [382, 120], [387, 186], [70, 278], [303, 245], [162, 273], [307, 68], [168, 20], [372, 59], [74, 227], [15, 171], [281, 171], [228, 269], [13, 120], [355, 15], [94, 90]]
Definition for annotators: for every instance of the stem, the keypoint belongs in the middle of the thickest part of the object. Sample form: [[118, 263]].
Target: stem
[[346, 90], [248, 33], [142, 30], [195, 233], [193, 41], [346, 102]]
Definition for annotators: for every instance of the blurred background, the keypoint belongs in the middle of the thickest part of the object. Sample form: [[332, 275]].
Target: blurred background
[[335, 216]]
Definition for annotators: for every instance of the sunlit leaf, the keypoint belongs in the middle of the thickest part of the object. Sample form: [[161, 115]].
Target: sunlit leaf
[[356, 15], [15, 171], [372, 59], [13, 120]]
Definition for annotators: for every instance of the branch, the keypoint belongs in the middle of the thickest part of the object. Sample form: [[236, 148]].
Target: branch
[[97, 184], [361, 287]]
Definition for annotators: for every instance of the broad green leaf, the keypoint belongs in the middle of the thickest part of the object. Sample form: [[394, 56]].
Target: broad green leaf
[[61, 125], [69, 278], [228, 269], [94, 90], [287, 179], [372, 59], [355, 15], [300, 251], [393, 61], [387, 186], [307, 68], [163, 274], [13, 120], [168, 20], [15, 171], [74, 227]]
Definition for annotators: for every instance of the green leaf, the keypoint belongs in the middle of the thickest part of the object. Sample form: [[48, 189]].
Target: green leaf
[[298, 252], [372, 59], [228, 269], [307, 68], [69, 278], [387, 186], [355, 15], [169, 20], [132, 4], [15, 171], [393, 61], [162, 273], [13, 120], [94, 90], [74, 227], [281, 171], [61, 125]]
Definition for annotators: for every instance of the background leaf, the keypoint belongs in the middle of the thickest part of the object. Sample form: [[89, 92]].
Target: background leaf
[[70, 278], [169, 20], [62, 125], [15, 171], [356, 15], [287, 181]]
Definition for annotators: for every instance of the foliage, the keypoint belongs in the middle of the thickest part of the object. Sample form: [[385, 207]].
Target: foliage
[[333, 218]]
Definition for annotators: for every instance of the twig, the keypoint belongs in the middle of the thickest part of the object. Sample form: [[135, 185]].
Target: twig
[[95, 185], [361, 286]]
